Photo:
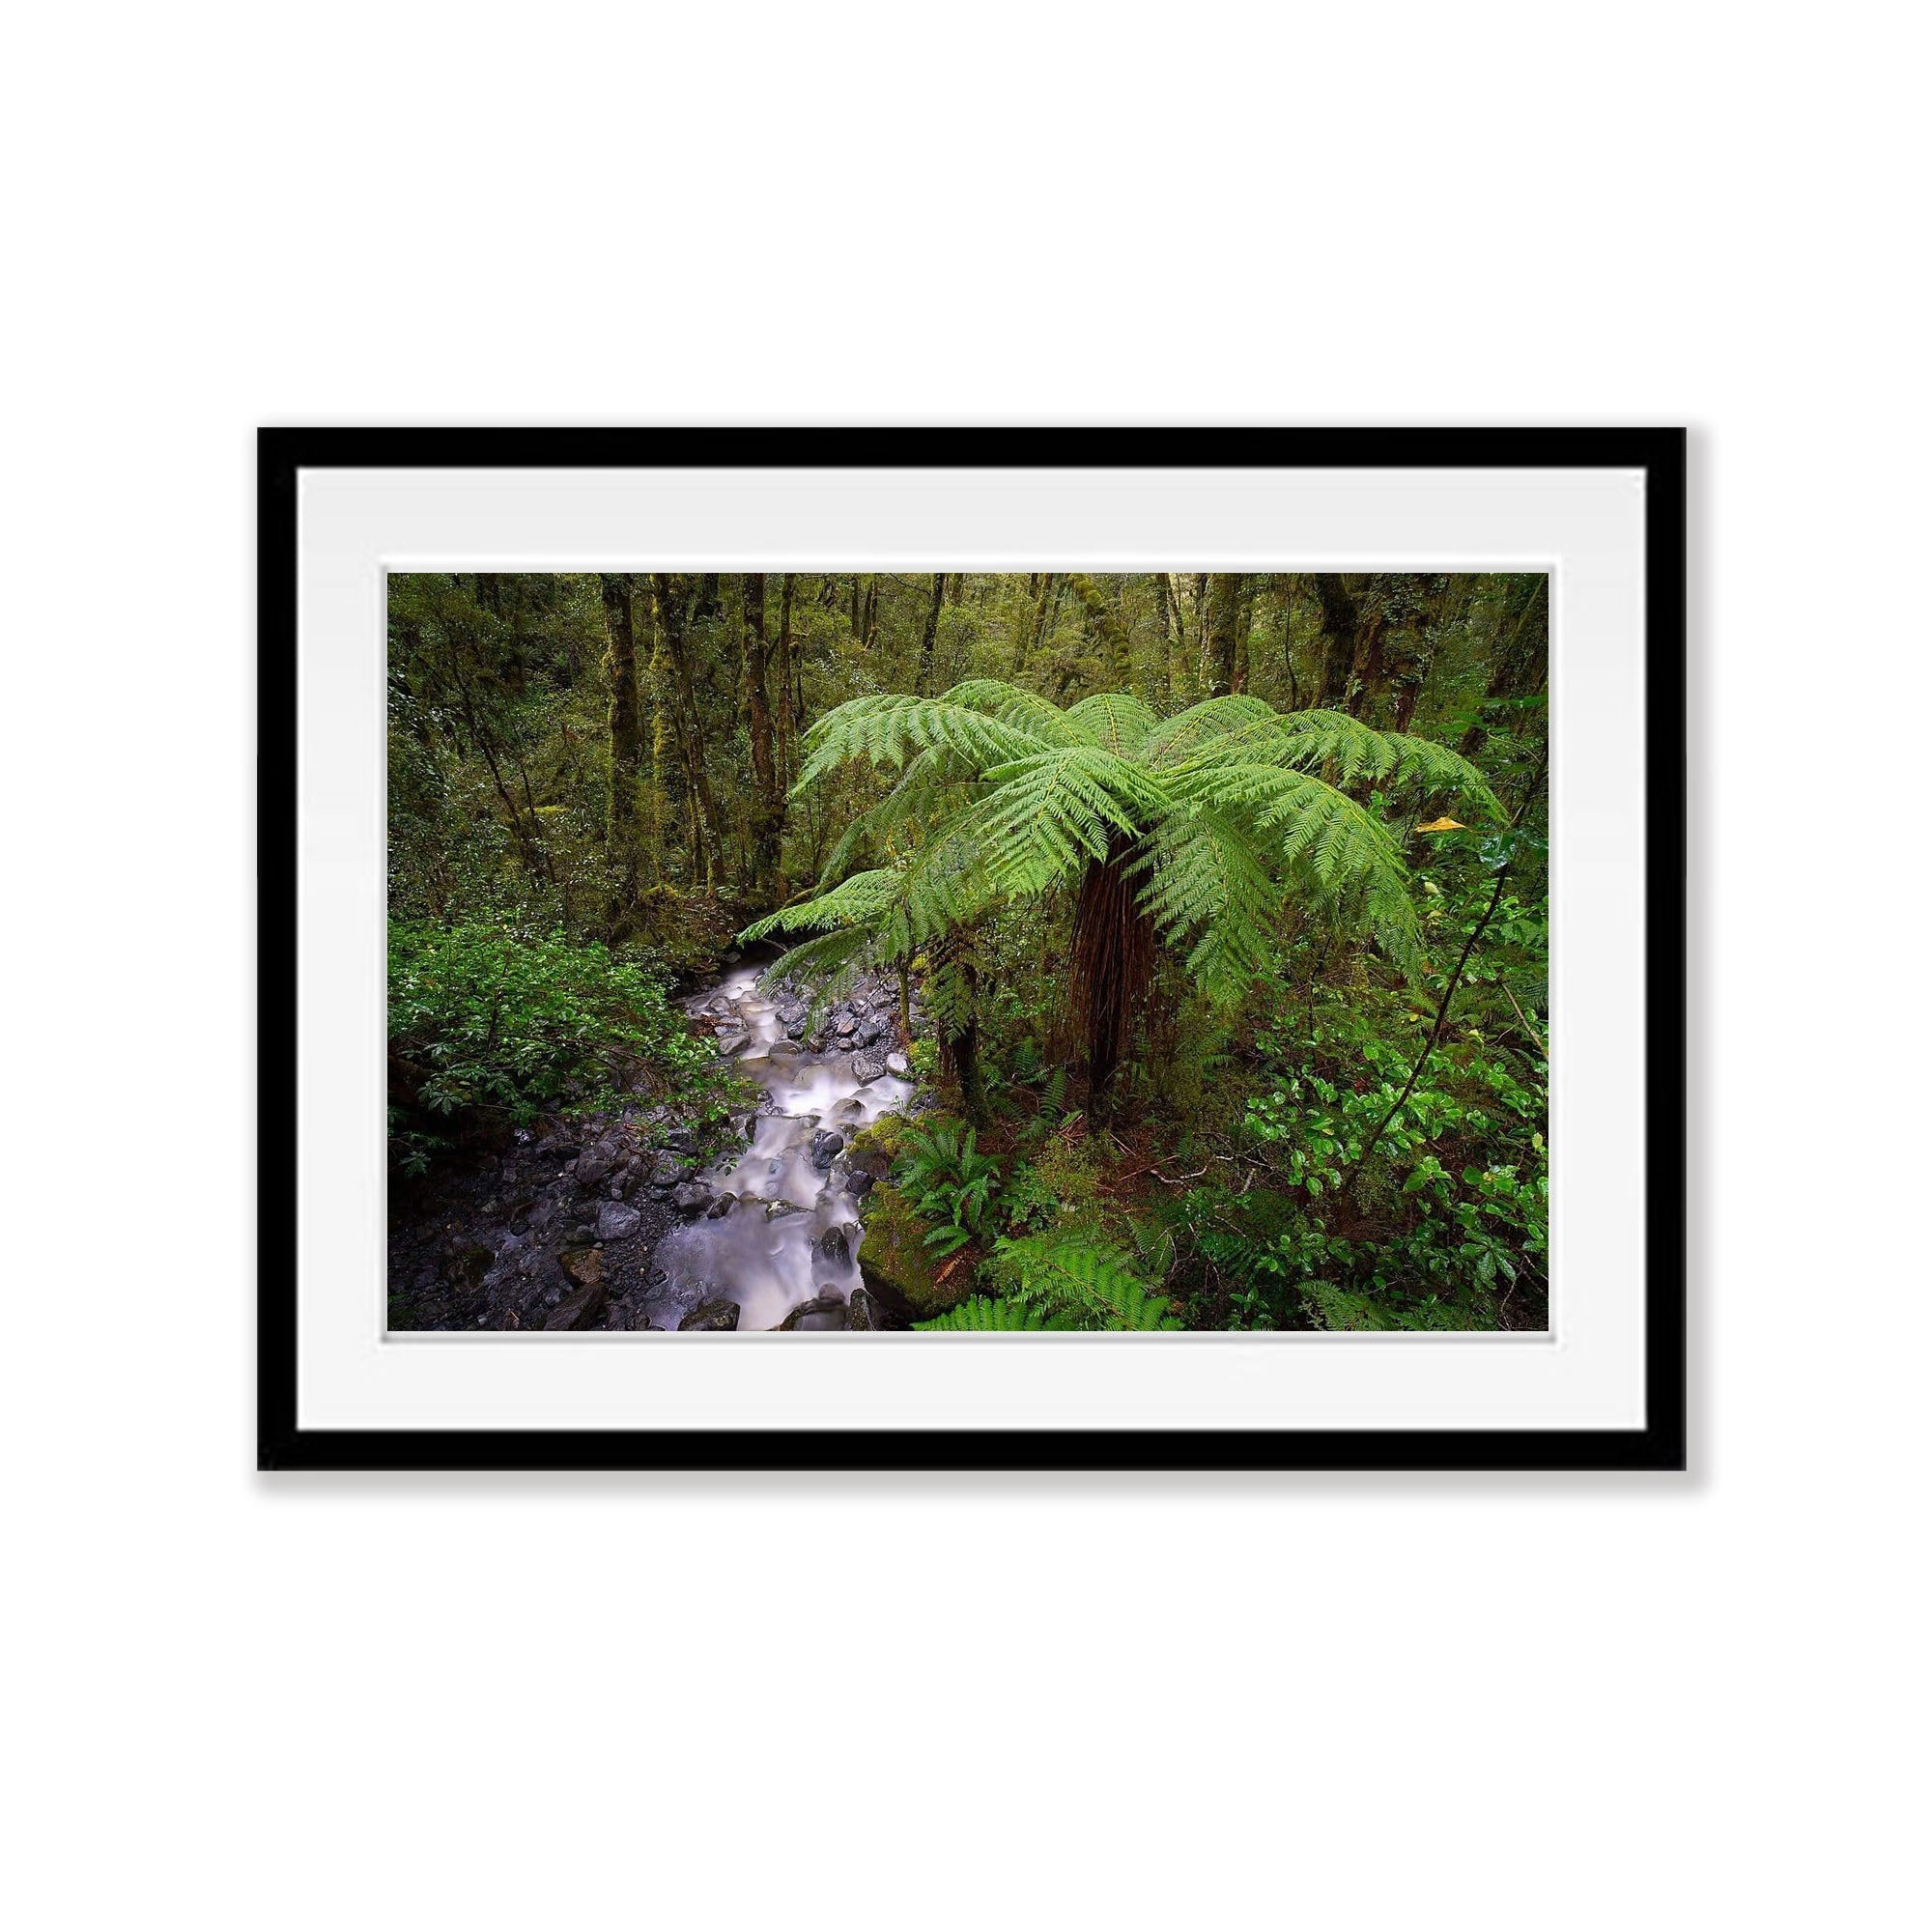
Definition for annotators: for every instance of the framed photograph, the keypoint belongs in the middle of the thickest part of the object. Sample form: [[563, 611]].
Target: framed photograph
[[971, 949]]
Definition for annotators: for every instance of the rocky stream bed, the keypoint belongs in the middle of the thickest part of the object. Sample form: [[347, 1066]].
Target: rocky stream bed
[[617, 1221]]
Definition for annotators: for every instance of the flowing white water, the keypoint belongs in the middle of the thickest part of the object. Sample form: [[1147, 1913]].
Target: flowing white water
[[767, 1251]]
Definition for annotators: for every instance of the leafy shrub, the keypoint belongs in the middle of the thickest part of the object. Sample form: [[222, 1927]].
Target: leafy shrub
[[489, 1030]]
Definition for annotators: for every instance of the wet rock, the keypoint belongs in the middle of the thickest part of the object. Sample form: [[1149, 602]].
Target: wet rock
[[834, 1245], [596, 1162], [860, 1181], [732, 1039], [584, 1266], [783, 1049], [819, 1304], [868, 1313], [616, 1220], [868, 1067], [720, 1207], [581, 1309], [826, 1146], [776, 1210], [692, 1198], [898, 1066], [711, 1318]]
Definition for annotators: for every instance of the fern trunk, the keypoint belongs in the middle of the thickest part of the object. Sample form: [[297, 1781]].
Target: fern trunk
[[1113, 966]]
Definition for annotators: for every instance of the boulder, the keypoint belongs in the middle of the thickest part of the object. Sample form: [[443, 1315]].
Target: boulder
[[825, 1148], [860, 1182], [819, 1304], [783, 1049], [616, 1220], [732, 1039], [584, 1266], [580, 1310], [897, 1266], [664, 1170], [836, 1245], [711, 1318], [692, 1198], [594, 1163], [898, 1066], [720, 1207], [867, 1066], [868, 1313]]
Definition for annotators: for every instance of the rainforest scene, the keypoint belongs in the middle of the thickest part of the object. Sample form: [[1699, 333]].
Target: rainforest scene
[[952, 953]]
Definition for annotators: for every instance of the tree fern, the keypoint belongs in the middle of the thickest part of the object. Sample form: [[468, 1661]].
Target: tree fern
[[1220, 816]]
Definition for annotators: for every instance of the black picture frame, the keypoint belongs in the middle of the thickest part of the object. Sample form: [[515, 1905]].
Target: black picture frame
[[1658, 1445]]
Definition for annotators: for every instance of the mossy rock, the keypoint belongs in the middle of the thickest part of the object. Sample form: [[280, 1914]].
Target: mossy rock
[[877, 1146], [899, 1266]]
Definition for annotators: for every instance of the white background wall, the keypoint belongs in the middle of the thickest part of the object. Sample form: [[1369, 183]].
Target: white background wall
[[1341, 1703]]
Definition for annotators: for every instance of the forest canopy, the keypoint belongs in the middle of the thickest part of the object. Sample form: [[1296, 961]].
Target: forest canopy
[[1208, 911]]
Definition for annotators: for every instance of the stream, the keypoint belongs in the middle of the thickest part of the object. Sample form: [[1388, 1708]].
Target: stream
[[783, 1229]]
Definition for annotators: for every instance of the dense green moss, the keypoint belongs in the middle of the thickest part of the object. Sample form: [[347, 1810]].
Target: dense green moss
[[896, 1264]]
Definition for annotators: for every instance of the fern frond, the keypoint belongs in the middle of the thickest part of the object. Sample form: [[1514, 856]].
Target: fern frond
[[1024, 710], [1206, 879], [886, 729], [984, 1314], [1049, 813], [1185, 734], [1115, 721], [1091, 1281], [861, 900]]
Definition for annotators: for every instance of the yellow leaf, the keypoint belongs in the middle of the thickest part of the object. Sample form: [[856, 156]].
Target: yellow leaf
[[1444, 825]]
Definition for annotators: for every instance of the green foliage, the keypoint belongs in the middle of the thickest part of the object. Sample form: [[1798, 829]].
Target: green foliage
[[490, 1029], [946, 1178], [983, 1315], [1090, 1283], [1232, 806]]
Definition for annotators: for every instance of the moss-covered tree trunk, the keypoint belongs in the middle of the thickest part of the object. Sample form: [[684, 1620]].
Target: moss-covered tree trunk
[[1103, 621], [1339, 619], [767, 813], [930, 635], [787, 720], [666, 600], [1224, 625], [624, 840]]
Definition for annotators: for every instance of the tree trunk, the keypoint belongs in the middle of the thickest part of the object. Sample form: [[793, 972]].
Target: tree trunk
[[1368, 673], [1287, 642], [930, 636], [1223, 615], [623, 833], [1113, 966], [690, 733], [1108, 631], [1339, 619], [1521, 666], [787, 724], [1163, 604], [767, 813]]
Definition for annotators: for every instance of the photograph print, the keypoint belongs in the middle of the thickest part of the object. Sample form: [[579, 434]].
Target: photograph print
[[910, 953]]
